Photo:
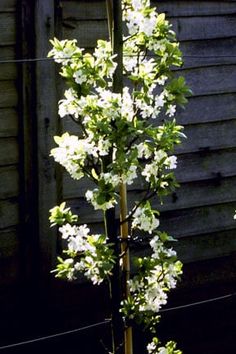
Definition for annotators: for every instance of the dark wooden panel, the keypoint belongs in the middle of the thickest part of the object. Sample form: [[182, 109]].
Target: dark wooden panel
[[8, 71], [9, 272], [179, 223], [9, 185], [7, 53], [206, 165], [200, 166], [188, 195], [8, 151], [197, 194], [75, 189], [209, 52], [7, 4], [211, 80], [81, 10], [197, 221], [9, 243], [47, 127], [210, 27], [9, 213], [8, 122], [201, 247], [194, 28], [208, 109], [97, 9], [205, 109], [195, 8], [8, 97], [216, 135], [86, 32], [208, 246], [7, 28]]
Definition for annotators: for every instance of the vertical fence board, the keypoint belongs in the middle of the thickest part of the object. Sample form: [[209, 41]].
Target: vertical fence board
[[46, 129]]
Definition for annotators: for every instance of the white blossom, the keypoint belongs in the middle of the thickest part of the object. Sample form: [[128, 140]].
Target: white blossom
[[80, 77], [130, 175], [160, 100], [69, 105], [151, 347], [171, 162], [91, 197], [144, 219], [171, 110]]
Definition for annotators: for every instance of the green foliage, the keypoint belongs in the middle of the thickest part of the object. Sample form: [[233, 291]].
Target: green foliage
[[123, 140], [60, 215]]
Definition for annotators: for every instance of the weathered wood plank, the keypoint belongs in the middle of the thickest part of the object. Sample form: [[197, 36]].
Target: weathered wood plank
[[81, 10], [8, 71], [86, 32], [179, 223], [206, 165], [189, 195], [9, 213], [8, 122], [207, 246], [9, 243], [7, 28], [211, 166], [75, 189], [9, 186], [194, 28], [198, 110], [8, 151], [201, 247], [8, 97], [47, 125], [208, 52], [208, 109], [211, 80], [9, 272], [7, 53], [197, 221], [7, 4], [97, 9], [194, 8], [197, 194], [215, 135]]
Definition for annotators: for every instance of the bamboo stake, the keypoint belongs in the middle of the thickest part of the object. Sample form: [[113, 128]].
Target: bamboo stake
[[125, 261], [114, 14], [117, 43]]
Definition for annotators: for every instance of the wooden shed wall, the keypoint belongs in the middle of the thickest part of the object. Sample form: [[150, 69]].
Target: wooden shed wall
[[9, 147], [200, 213]]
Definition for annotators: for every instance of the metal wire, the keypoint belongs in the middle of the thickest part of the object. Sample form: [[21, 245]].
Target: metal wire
[[170, 309], [24, 60], [54, 335]]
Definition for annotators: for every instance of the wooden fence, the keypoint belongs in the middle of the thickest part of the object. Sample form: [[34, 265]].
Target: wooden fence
[[200, 213]]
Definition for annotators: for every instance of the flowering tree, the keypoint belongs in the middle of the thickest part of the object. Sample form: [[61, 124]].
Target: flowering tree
[[123, 141]]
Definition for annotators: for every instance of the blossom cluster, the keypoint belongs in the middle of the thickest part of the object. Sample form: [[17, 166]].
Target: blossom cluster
[[127, 137], [144, 218], [156, 276], [154, 348], [86, 253]]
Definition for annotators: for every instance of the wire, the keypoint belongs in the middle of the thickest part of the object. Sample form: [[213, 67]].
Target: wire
[[11, 61], [193, 304], [54, 335], [198, 303]]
